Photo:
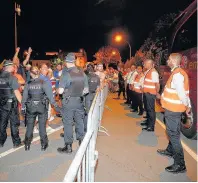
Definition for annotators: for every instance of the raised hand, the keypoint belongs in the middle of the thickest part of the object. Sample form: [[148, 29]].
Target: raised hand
[[17, 49], [29, 50]]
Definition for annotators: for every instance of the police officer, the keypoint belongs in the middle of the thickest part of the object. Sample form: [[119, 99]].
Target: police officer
[[94, 84], [175, 100], [9, 95], [73, 85], [36, 96]]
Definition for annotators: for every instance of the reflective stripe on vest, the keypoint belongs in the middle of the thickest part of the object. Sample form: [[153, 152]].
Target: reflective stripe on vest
[[170, 99], [137, 80], [149, 85]]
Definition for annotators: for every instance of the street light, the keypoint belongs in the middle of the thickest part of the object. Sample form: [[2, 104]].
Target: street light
[[17, 12], [113, 52], [119, 38]]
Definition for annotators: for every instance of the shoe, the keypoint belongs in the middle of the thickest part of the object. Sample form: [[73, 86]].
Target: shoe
[[126, 102], [18, 145], [36, 130], [140, 113], [145, 117], [164, 152], [1, 145], [27, 147], [134, 110], [144, 123], [148, 129], [175, 168], [27, 141], [44, 147], [62, 135], [67, 149]]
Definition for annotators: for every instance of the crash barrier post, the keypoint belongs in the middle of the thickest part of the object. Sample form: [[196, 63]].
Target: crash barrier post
[[82, 168]]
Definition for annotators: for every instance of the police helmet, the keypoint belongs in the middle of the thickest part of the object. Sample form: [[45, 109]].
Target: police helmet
[[70, 58]]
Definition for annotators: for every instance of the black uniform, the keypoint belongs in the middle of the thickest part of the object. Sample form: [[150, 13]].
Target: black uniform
[[94, 83], [36, 97], [74, 81], [9, 108], [121, 84]]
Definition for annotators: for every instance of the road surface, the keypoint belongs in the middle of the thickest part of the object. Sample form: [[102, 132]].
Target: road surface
[[128, 154]]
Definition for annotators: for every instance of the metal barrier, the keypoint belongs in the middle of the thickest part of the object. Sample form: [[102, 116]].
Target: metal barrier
[[82, 168]]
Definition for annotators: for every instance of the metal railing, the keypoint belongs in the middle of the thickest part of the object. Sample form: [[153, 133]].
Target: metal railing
[[82, 168]]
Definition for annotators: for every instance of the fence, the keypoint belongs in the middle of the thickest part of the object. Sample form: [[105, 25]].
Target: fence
[[82, 167]]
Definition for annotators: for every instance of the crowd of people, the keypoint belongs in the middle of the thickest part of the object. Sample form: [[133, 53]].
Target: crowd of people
[[35, 95]]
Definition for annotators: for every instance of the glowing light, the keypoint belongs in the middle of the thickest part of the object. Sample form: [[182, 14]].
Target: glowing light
[[118, 38]]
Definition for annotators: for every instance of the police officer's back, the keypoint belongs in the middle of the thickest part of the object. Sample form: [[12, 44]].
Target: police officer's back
[[36, 97], [9, 94], [73, 85]]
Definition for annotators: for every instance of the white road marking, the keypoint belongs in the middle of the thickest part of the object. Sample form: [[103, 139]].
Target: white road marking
[[188, 150], [34, 140]]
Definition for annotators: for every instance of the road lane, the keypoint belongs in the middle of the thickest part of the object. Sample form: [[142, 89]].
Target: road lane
[[129, 154]]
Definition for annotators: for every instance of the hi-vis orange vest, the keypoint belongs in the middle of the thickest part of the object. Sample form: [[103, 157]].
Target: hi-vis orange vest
[[170, 99], [149, 85], [137, 80]]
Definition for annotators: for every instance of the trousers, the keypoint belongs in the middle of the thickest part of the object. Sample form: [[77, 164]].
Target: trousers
[[8, 112], [150, 109], [173, 122], [144, 102], [132, 99], [121, 89], [88, 102], [138, 101], [128, 94], [35, 109], [73, 109]]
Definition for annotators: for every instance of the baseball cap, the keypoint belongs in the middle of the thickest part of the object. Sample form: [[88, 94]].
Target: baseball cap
[[70, 58], [7, 63]]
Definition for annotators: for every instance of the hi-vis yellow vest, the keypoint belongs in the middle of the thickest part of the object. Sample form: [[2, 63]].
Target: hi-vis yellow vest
[[170, 99]]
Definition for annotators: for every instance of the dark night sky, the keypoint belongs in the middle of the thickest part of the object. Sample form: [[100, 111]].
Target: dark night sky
[[72, 24]]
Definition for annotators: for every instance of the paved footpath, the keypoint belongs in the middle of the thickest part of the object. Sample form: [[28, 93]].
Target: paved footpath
[[129, 154]]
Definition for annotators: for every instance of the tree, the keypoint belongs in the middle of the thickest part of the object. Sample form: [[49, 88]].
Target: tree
[[57, 59], [107, 55], [156, 45]]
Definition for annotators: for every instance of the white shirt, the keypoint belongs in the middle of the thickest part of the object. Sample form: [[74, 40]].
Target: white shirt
[[101, 76], [132, 78], [178, 84], [128, 76], [60, 73], [140, 83], [154, 76]]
